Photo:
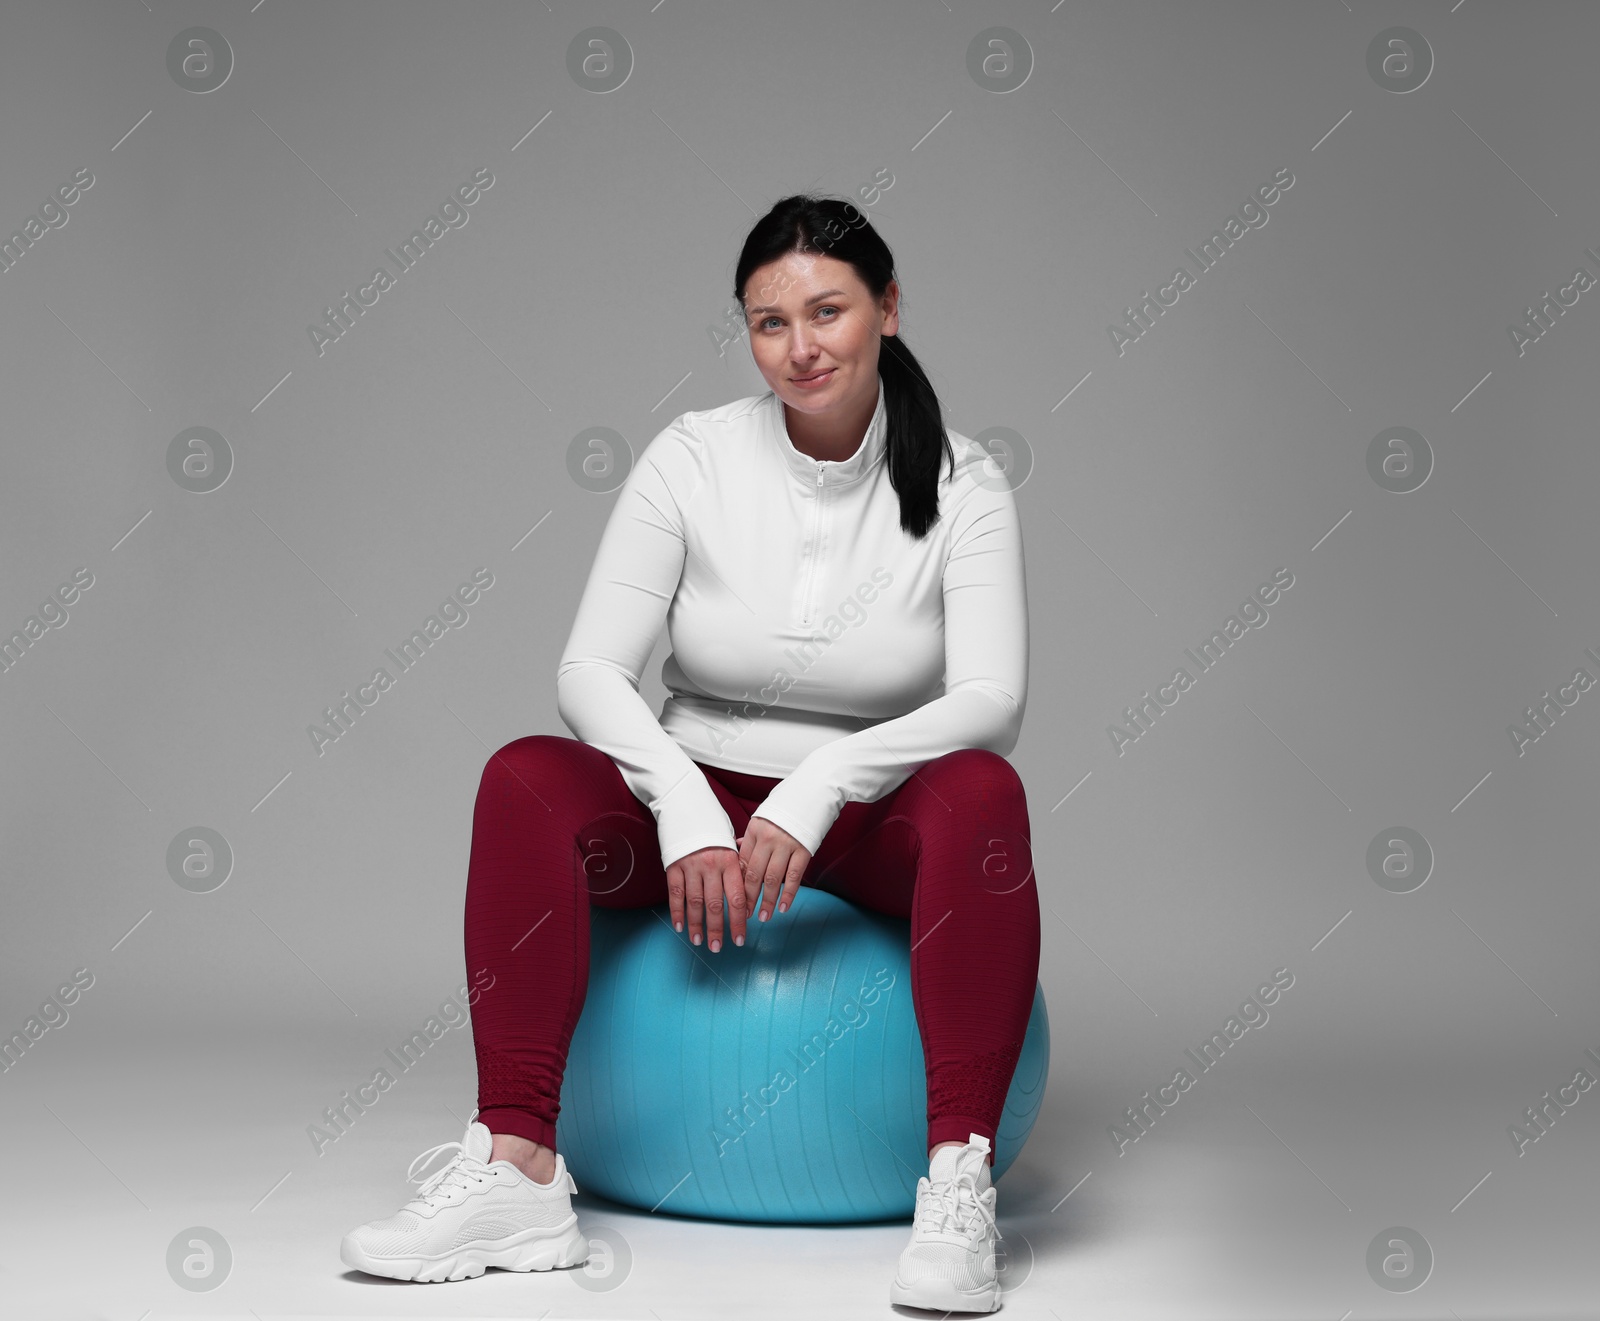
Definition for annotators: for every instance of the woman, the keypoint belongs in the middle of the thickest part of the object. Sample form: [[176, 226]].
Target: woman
[[807, 540]]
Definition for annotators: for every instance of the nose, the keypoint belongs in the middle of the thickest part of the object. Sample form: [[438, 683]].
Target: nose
[[800, 348]]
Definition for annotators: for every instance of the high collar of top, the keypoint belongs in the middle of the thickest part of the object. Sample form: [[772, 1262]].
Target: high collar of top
[[836, 472]]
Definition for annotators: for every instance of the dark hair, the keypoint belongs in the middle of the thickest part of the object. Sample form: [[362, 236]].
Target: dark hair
[[829, 227]]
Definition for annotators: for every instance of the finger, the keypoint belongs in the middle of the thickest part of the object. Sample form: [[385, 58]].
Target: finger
[[791, 881], [746, 870], [738, 902], [714, 903], [696, 898], [752, 892], [675, 894], [766, 881], [777, 870], [748, 875], [740, 862]]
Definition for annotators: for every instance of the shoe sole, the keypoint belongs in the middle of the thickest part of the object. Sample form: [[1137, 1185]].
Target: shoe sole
[[535, 1249], [937, 1296]]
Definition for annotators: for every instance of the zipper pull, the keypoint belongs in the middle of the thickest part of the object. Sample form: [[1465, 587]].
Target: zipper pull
[[819, 474]]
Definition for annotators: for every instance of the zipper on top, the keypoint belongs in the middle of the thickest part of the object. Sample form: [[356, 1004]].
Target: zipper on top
[[816, 550]]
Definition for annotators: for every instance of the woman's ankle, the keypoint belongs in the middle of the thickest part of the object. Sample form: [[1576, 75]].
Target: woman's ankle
[[534, 1159]]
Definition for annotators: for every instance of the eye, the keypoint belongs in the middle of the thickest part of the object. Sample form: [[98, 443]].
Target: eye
[[765, 320], [827, 307]]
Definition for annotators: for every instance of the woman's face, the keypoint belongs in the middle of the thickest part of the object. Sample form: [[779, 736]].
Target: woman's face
[[811, 316]]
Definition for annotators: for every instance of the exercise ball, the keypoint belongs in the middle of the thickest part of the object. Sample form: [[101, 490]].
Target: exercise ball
[[778, 1081]]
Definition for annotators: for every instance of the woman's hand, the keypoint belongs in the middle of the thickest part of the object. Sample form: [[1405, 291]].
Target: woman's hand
[[772, 858], [703, 878]]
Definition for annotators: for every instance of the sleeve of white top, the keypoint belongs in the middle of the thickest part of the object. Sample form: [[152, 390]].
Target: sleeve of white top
[[631, 585], [986, 679]]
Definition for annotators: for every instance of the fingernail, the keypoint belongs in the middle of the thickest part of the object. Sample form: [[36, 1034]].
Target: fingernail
[[738, 940], [677, 926], [715, 946], [763, 917], [695, 937], [783, 908]]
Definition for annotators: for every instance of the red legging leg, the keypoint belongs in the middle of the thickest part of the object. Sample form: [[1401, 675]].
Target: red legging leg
[[554, 827]]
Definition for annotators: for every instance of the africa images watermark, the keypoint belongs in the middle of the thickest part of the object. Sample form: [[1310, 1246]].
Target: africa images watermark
[[52, 1012], [1252, 1013], [1538, 1120], [51, 614], [339, 1118], [1540, 318], [807, 1054], [849, 613], [1142, 315], [339, 317], [52, 214], [1252, 613], [342, 716], [1541, 717]]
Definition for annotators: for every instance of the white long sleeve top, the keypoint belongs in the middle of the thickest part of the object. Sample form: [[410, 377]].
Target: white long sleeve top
[[813, 640]]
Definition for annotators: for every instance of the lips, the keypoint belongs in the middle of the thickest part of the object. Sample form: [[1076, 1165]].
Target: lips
[[814, 375]]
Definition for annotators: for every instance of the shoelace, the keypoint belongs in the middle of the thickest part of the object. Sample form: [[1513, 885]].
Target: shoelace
[[946, 1203], [445, 1177]]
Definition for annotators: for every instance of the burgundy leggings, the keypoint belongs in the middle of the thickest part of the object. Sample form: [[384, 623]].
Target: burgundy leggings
[[949, 849]]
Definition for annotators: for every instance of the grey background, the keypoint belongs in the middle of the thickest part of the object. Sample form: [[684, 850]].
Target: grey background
[[1161, 486]]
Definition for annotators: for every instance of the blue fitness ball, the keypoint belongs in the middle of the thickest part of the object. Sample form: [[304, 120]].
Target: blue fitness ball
[[780, 1081]]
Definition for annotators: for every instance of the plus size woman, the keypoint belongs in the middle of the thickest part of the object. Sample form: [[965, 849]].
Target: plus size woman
[[844, 594]]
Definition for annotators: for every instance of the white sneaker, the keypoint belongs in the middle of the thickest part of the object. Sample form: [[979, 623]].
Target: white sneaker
[[471, 1214], [949, 1265]]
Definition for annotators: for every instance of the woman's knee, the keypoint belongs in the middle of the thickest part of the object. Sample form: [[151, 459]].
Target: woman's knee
[[535, 756], [978, 770], [978, 801]]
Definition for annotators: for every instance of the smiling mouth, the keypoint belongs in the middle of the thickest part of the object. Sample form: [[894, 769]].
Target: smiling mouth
[[814, 375]]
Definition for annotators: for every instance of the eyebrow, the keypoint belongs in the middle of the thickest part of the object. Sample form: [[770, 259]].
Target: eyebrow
[[815, 298]]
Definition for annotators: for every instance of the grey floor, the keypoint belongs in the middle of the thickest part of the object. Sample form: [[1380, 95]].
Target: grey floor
[[1256, 1196]]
